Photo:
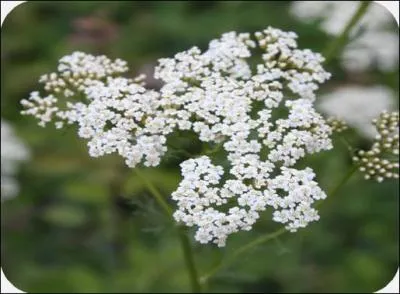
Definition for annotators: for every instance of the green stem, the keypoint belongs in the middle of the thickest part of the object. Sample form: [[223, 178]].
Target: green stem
[[347, 144], [215, 149], [351, 171], [117, 223], [156, 194], [178, 149], [341, 40], [270, 236], [189, 259], [241, 250], [185, 243], [344, 180]]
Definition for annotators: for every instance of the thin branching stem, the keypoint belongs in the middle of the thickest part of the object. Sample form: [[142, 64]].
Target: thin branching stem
[[336, 188], [215, 149], [339, 42], [241, 250], [267, 237], [183, 239]]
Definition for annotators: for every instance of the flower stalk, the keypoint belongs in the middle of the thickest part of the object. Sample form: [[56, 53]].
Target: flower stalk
[[183, 239], [267, 237], [339, 42]]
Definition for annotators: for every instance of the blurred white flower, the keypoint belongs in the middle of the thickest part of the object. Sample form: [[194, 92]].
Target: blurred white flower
[[372, 49], [334, 15], [358, 105], [13, 151], [376, 45]]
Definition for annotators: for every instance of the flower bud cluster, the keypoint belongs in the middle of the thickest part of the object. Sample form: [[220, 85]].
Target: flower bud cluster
[[337, 125], [382, 160]]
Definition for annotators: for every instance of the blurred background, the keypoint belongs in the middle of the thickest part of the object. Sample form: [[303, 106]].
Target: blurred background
[[80, 224]]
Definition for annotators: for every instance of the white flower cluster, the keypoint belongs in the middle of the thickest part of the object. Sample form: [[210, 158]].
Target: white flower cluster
[[13, 151], [365, 50], [358, 105], [255, 183], [219, 96], [110, 110], [382, 160], [291, 194], [260, 149]]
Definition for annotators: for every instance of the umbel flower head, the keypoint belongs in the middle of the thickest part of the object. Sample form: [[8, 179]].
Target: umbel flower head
[[382, 160], [217, 94]]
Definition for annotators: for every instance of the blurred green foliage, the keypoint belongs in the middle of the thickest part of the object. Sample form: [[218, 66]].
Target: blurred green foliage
[[89, 225]]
